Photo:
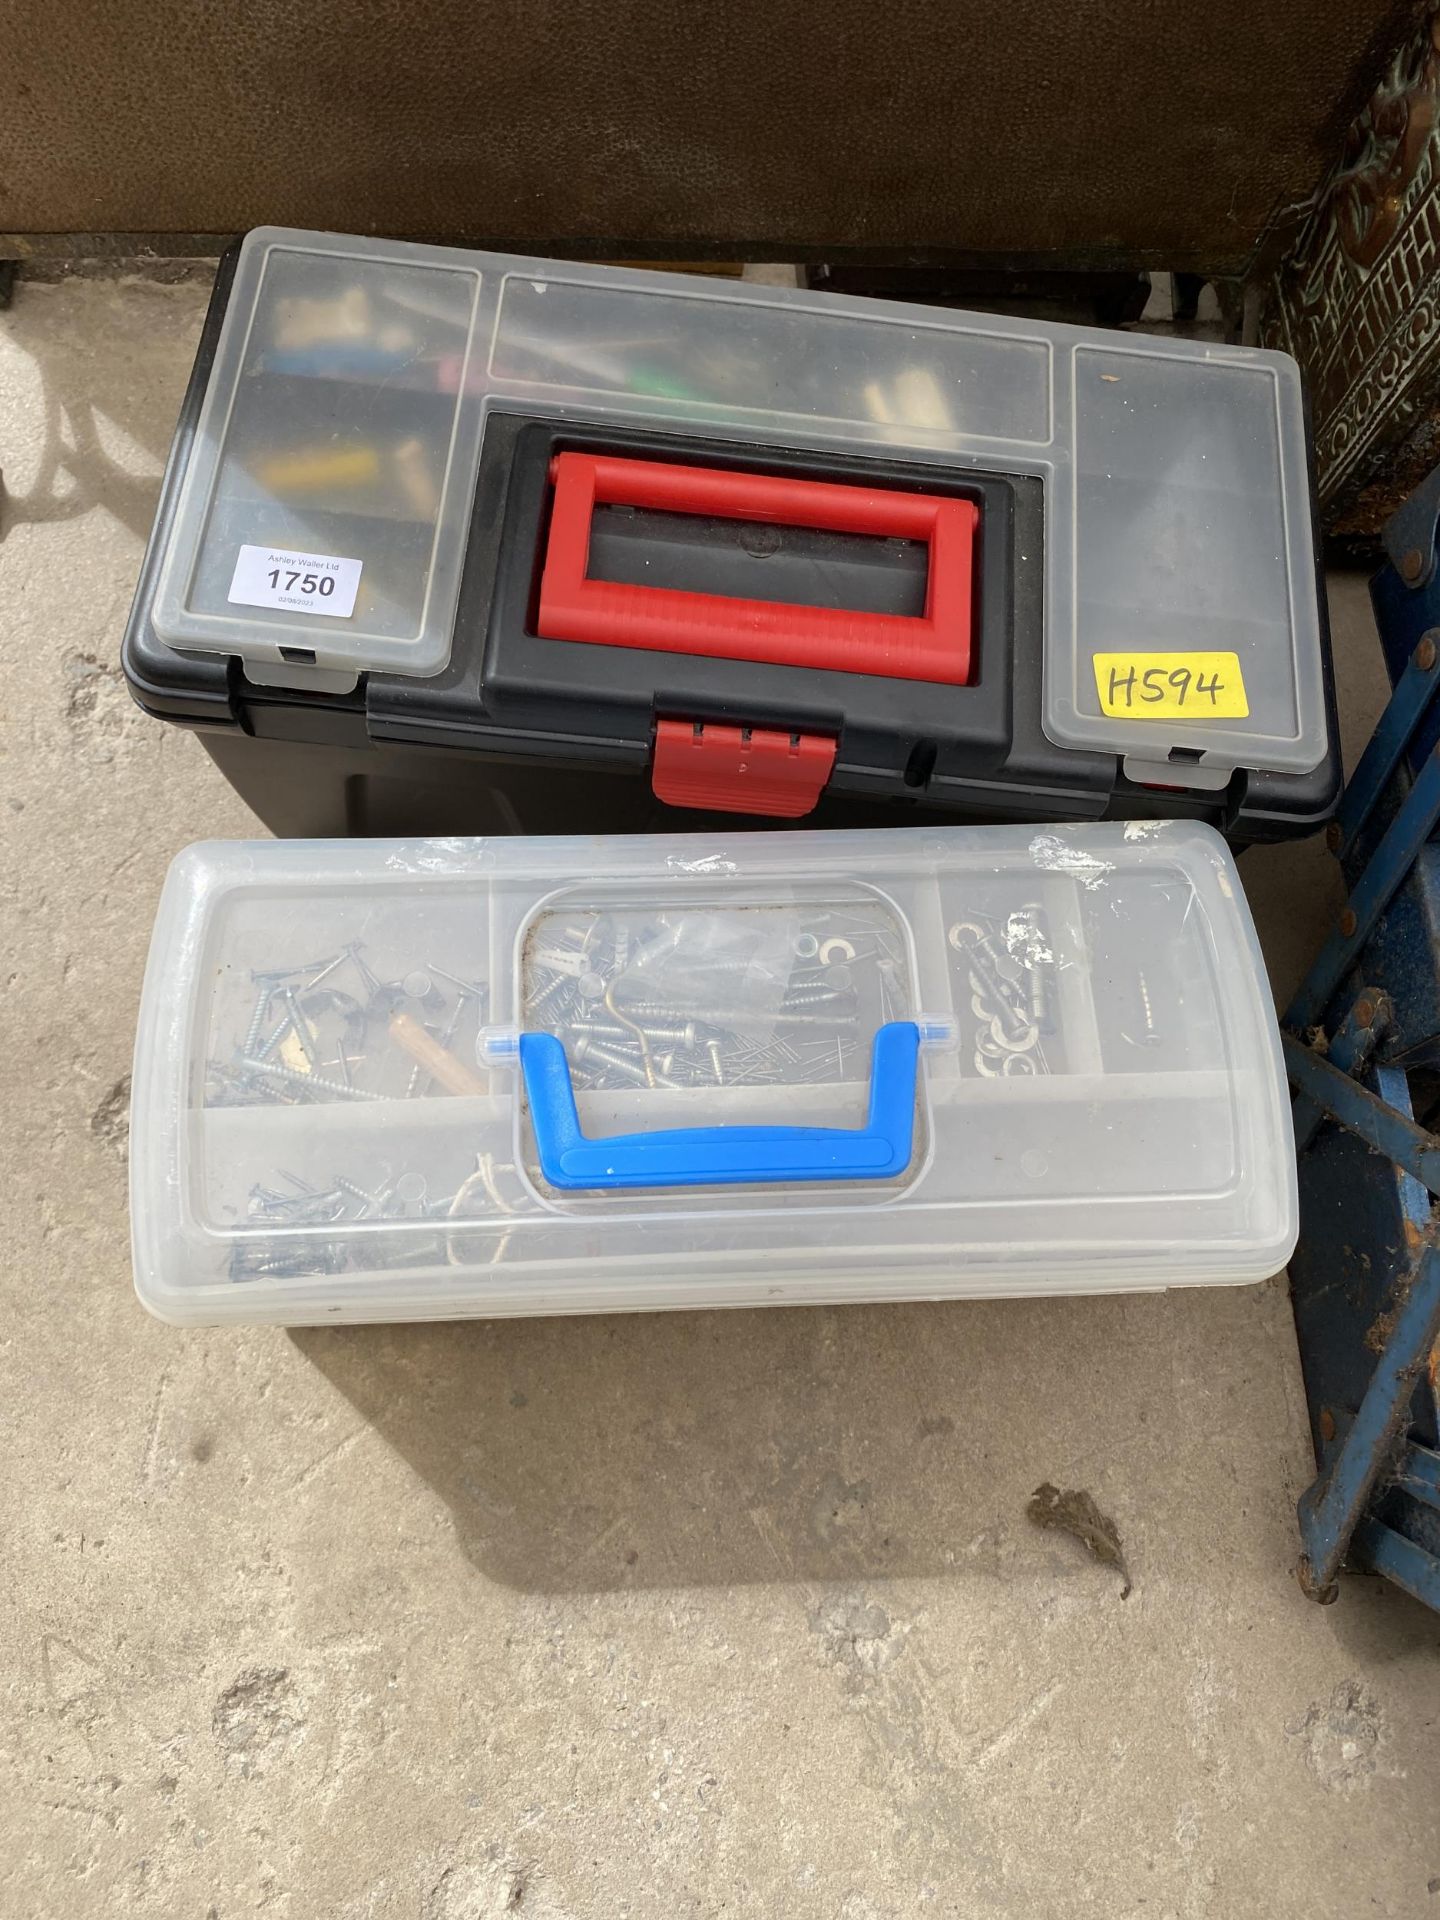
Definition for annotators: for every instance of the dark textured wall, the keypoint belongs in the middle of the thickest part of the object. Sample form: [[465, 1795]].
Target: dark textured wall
[[1101, 128]]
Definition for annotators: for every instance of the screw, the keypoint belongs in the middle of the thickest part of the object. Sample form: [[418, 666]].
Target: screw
[[257, 1021], [712, 1047], [587, 1048], [301, 1026], [349, 1188], [676, 1072], [245, 1265], [719, 1016], [289, 1077], [547, 993], [590, 1050], [1150, 1037], [270, 1045], [684, 1037], [295, 1209], [626, 1044], [1040, 998], [739, 967], [817, 997], [1039, 970]]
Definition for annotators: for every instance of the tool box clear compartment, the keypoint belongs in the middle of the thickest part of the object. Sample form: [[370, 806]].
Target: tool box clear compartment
[[359, 407], [800, 1067], [337, 424]]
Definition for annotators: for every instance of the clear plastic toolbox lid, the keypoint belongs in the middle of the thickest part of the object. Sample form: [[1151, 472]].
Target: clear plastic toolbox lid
[[424, 1079], [323, 519]]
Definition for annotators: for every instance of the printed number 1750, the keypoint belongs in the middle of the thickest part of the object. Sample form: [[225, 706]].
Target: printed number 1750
[[290, 580]]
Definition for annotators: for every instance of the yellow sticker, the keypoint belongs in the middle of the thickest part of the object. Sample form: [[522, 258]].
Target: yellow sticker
[[1171, 686]]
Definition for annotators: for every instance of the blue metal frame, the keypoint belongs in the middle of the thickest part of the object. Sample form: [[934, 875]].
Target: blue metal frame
[[1356, 1038], [1399, 1558], [1375, 1120], [1409, 534], [1386, 748], [1334, 1505], [1383, 875], [1376, 1500]]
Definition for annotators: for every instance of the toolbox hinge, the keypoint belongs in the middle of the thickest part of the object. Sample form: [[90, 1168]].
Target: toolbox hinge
[[729, 769]]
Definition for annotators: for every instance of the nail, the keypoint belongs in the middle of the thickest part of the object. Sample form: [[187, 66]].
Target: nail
[[475, 993], [312, 1083]]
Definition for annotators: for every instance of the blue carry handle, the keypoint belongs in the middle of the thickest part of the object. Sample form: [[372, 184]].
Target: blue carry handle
[[724, 1156]]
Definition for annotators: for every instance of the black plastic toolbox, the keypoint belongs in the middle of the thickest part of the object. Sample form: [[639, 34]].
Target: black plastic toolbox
[[766, 605]]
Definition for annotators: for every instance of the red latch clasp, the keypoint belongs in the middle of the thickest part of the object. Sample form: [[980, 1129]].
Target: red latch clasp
[[740, 769]]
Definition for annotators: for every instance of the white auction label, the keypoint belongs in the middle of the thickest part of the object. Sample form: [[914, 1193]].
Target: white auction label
[[299, 582]]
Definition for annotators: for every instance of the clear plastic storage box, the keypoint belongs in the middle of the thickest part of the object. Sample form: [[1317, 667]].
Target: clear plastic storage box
[[429, 1079]]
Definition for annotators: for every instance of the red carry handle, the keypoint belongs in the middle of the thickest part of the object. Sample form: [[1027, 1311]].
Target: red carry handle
[[932, 646]]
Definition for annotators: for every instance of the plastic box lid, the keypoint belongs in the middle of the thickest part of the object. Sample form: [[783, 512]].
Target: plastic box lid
[[339, 436], [803, 1067]]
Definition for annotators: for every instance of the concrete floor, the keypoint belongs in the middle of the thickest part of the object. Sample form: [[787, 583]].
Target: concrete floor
[[699, 1615]]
